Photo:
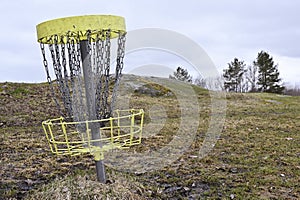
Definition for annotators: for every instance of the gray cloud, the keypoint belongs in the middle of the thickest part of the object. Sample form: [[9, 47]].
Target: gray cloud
[[225, 29]]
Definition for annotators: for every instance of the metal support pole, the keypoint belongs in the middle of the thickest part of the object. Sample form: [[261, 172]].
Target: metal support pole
[[88, 77]]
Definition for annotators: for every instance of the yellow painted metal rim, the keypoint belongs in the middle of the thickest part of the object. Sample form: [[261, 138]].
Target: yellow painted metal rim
[[78, 27]]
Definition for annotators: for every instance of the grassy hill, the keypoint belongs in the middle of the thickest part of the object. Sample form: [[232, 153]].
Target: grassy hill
[[257, 155]]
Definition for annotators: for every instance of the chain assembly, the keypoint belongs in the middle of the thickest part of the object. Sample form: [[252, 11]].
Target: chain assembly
[[68, 89]]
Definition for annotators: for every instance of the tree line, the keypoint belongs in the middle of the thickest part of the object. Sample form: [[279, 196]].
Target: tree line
[[262, 75]]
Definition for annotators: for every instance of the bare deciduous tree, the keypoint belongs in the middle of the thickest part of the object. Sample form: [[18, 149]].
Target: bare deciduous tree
[[251, 77]]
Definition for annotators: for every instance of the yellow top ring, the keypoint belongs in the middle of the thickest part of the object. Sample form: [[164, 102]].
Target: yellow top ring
[[78, 26]]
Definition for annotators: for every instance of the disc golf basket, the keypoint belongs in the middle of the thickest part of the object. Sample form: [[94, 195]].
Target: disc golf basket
[[84, 89]]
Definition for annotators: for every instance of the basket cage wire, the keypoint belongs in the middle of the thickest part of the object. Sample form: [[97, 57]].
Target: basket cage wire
[[119, 132]]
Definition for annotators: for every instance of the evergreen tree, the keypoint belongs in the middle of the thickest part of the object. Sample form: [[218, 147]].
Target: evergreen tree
[[181, 75], [268, 74], [234, 76]]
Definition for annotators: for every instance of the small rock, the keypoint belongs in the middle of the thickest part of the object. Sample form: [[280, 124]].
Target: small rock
[[65, 189], [222, 168], [192, 156], [273, 101], [232, 196], [234, 170], [159, 190], [272, 188], [165, 185], [186, 189], [193, 197], [138, 173], [172, 189], [282, 175], [29, 181], [168, 94]]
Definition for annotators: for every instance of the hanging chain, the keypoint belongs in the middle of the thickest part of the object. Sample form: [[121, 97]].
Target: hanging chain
[[89, 90], [99, 73], [49, 77], [65, 81], [73, 74], [78, 95], [93, 45], [106, 110], [119, 67], [70, 45], [57, 68], [57, 65], [79, 80]]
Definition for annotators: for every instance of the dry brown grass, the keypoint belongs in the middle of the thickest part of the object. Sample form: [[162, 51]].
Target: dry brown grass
[[256, 157]]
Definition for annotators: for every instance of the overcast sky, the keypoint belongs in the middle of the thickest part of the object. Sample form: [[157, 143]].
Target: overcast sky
[[225, 29]]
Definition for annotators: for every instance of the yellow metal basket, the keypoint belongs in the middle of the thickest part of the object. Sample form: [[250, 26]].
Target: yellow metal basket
[[74, 138]]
